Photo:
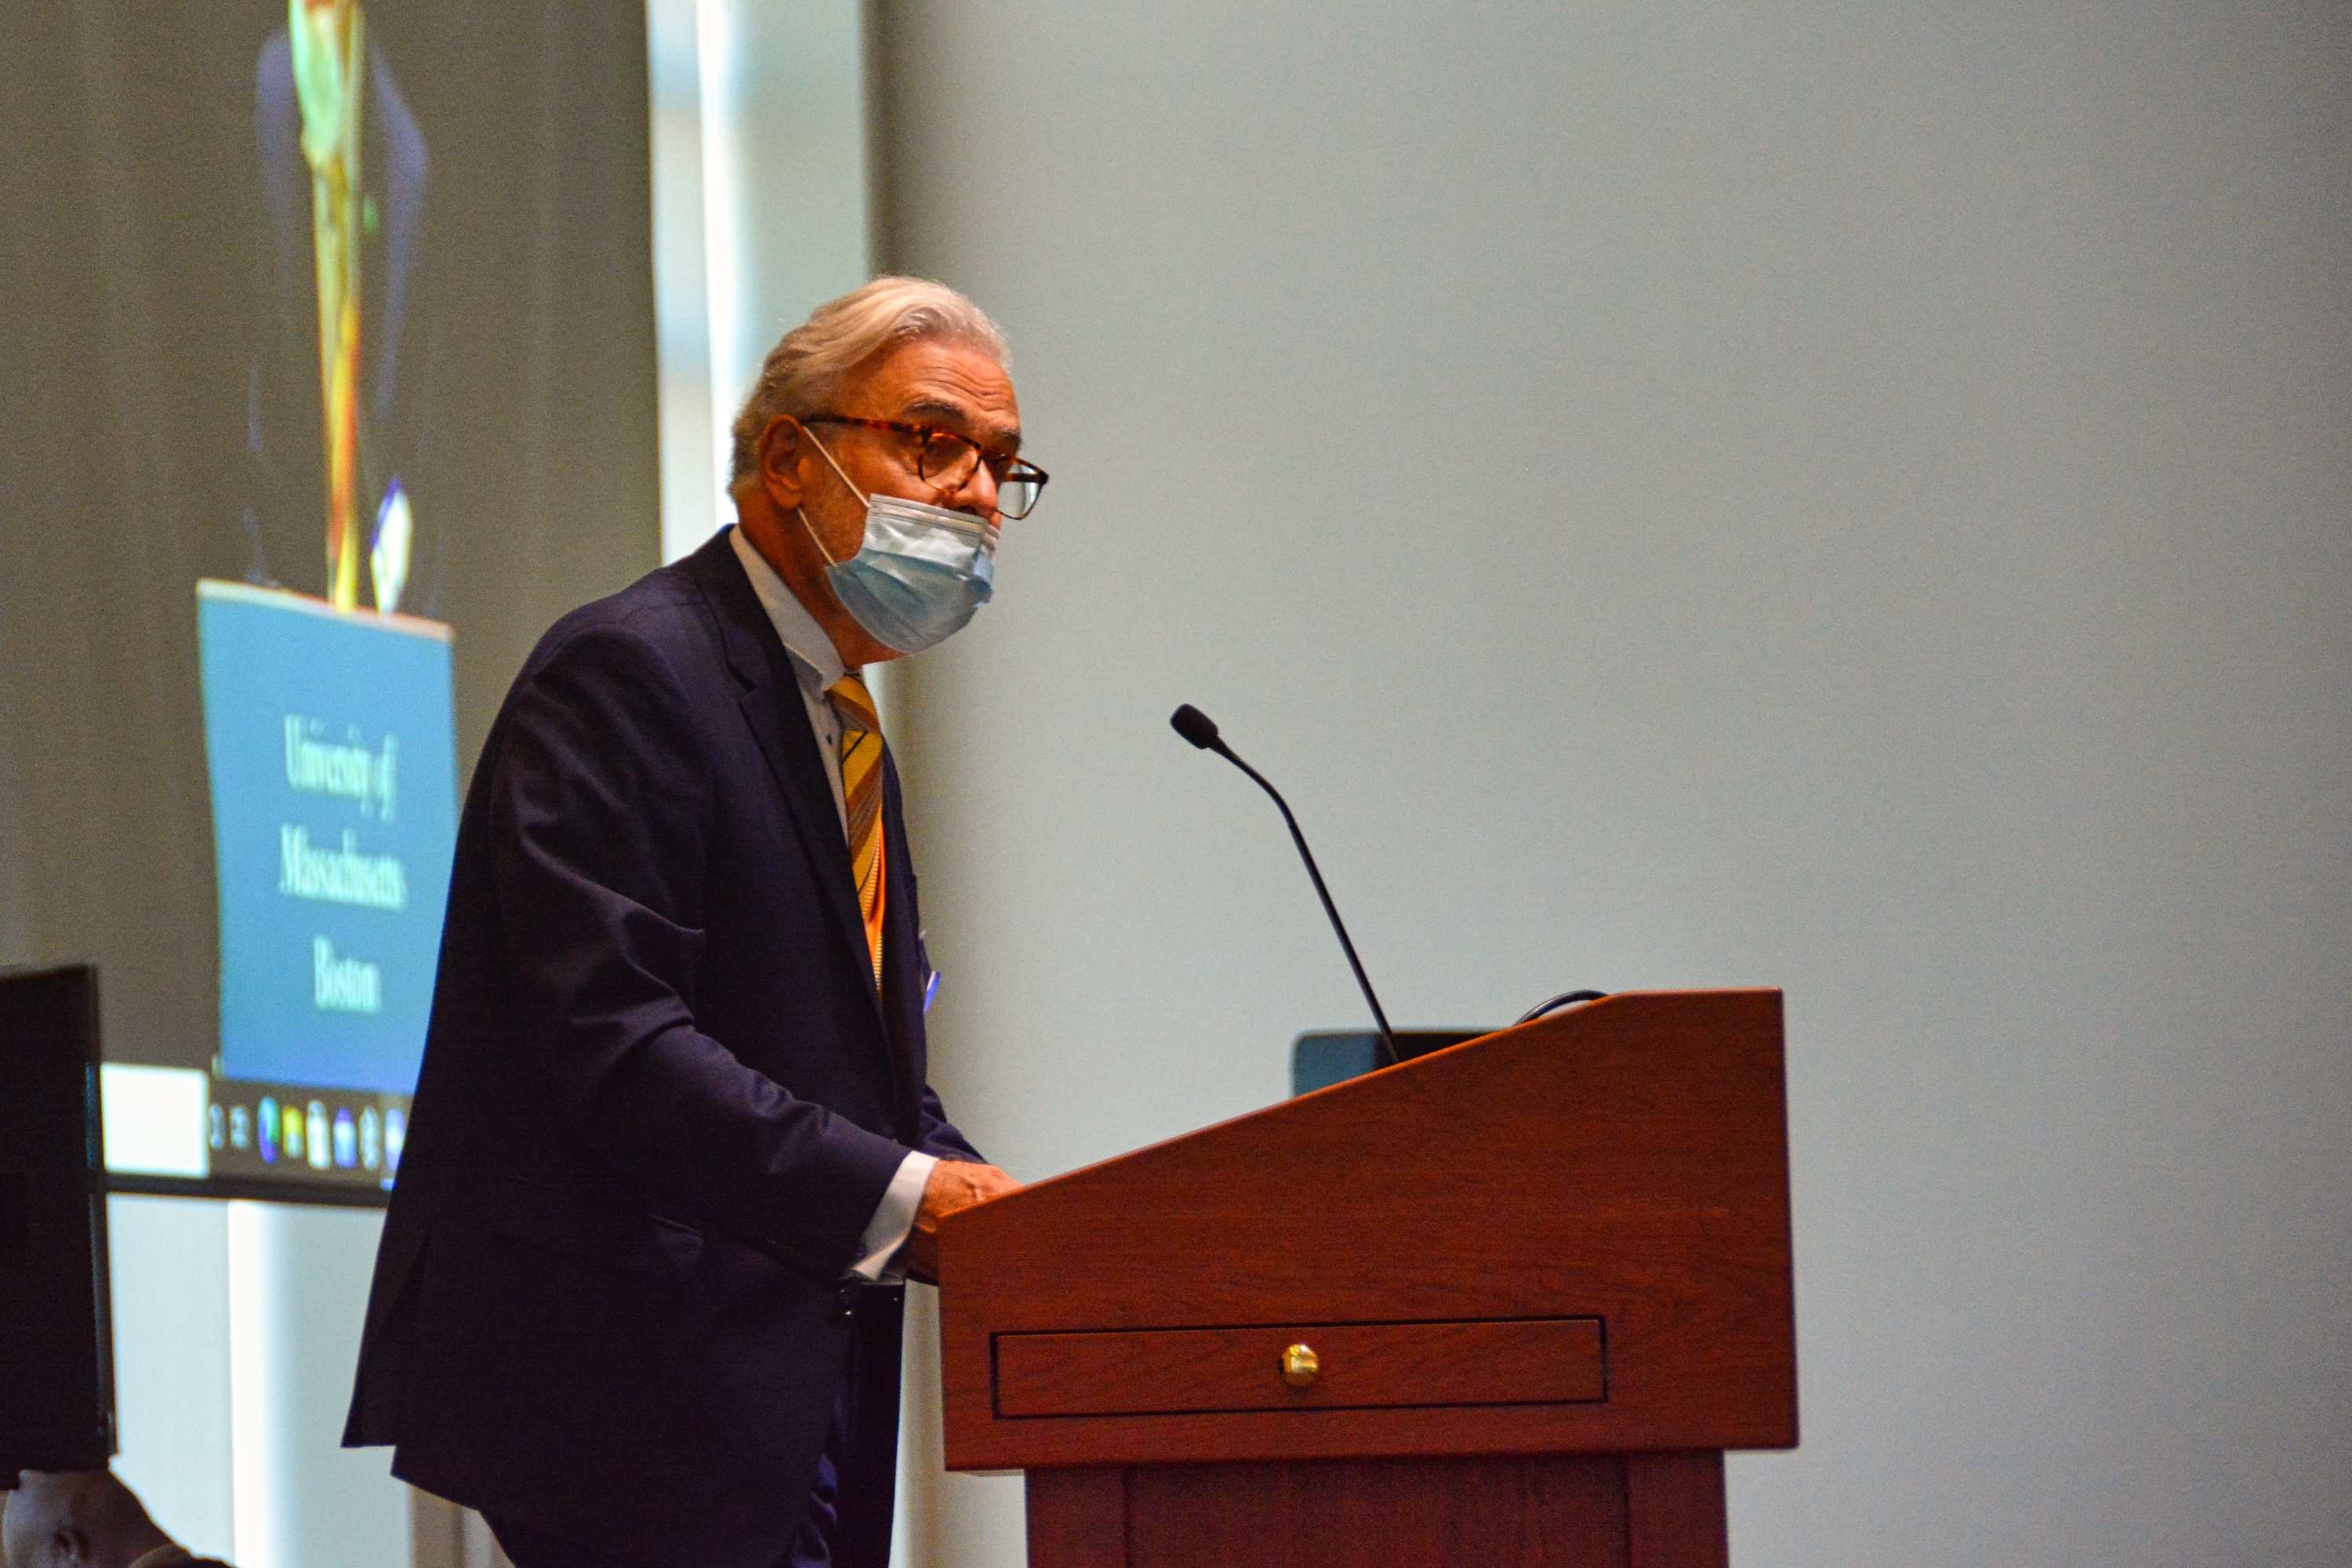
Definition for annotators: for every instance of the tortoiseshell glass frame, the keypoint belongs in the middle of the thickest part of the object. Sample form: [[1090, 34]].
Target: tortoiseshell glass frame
[[1002, 467]]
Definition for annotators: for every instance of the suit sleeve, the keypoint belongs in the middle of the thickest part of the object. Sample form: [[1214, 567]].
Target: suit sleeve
[[600, 818], [941, 1139]]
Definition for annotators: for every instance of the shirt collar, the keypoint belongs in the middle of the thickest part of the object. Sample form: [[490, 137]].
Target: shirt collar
[[168, 1556], [802, 637]]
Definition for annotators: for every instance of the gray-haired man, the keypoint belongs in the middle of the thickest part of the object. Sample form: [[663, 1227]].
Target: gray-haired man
[[672, 1144]]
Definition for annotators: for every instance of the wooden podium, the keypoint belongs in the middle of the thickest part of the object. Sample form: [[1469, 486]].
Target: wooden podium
[[1502, 1305]]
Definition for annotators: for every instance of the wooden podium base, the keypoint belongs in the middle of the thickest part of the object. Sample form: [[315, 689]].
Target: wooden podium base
[[1610, 1510]]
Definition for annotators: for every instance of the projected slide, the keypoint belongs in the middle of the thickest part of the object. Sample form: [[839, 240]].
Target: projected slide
[[329, 731], [330, 739], [349, 393]]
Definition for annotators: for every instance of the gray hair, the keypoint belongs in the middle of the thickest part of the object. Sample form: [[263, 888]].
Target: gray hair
[[807, 370]]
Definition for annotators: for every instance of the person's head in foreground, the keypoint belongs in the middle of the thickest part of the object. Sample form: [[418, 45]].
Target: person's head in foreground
[[875, 459], [81, 1519]]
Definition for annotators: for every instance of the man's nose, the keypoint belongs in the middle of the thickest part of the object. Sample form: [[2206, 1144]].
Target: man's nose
[[978, 491]]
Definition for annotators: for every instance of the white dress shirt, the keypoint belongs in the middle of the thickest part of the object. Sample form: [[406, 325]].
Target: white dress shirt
[[816, 664]]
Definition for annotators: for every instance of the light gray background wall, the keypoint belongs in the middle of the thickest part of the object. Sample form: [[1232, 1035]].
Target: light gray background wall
[[1827, 495]]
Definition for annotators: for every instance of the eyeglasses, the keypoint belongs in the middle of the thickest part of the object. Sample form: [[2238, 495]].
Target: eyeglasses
[[946, 459]]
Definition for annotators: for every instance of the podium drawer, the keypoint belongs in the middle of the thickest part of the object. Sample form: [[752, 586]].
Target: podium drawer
[[1346, 1366]]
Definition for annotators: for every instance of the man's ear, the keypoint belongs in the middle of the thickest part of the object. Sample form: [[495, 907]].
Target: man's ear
[[70, 1545], [780, 462]]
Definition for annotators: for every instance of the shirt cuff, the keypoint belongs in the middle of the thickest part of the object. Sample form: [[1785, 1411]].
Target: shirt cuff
[[893, 1222]]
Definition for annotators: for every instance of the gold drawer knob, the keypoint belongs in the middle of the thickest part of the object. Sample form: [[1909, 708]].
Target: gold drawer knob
[[1299, 1365]]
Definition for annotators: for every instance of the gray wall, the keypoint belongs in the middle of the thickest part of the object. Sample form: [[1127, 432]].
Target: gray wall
[[1823, 495]]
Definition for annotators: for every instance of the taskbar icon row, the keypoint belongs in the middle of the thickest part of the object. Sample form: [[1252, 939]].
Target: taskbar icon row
[[295, 1133]]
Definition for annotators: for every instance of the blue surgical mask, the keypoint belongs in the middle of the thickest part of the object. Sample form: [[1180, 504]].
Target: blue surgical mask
[[921, 574]]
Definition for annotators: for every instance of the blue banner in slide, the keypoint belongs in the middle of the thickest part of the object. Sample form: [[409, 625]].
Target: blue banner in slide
[[331, 740]]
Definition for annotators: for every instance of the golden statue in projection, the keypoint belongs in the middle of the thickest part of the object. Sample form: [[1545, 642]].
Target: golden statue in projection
[[330, 57], [336, 388]]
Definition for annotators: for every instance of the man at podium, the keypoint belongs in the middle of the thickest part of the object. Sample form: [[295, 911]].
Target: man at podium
[[637, 1297]]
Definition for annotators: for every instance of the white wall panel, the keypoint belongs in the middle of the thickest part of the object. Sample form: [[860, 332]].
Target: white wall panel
[[760, 215], [168, 1259], [298, 1283]]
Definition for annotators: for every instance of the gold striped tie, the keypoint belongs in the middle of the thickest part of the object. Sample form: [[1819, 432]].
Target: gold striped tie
[[861, 793]]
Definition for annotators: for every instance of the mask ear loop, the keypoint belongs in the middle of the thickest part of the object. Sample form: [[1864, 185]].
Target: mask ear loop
[[801, 512], [820, 550]]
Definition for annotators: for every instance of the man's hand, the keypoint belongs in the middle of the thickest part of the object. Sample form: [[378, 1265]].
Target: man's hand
[[954, 1184]]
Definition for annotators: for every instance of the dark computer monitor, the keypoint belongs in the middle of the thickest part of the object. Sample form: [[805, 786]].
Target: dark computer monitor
[[57, 1351], [1322, 1058]]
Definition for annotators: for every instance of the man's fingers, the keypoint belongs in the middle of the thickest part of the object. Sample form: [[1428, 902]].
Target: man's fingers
[[955, 1184], [923, 1255], [993, 1183], [987, 1182]]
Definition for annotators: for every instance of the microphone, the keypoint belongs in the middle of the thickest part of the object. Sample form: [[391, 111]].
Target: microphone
[[1201, 730]]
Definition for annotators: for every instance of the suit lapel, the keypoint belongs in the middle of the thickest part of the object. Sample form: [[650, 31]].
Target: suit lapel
[[771, 706]]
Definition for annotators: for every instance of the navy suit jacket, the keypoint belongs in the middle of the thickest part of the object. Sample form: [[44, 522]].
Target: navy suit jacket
[[661, 1098]]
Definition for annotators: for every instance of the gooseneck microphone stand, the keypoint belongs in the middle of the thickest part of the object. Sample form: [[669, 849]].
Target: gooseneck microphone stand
[[1201, 730]]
